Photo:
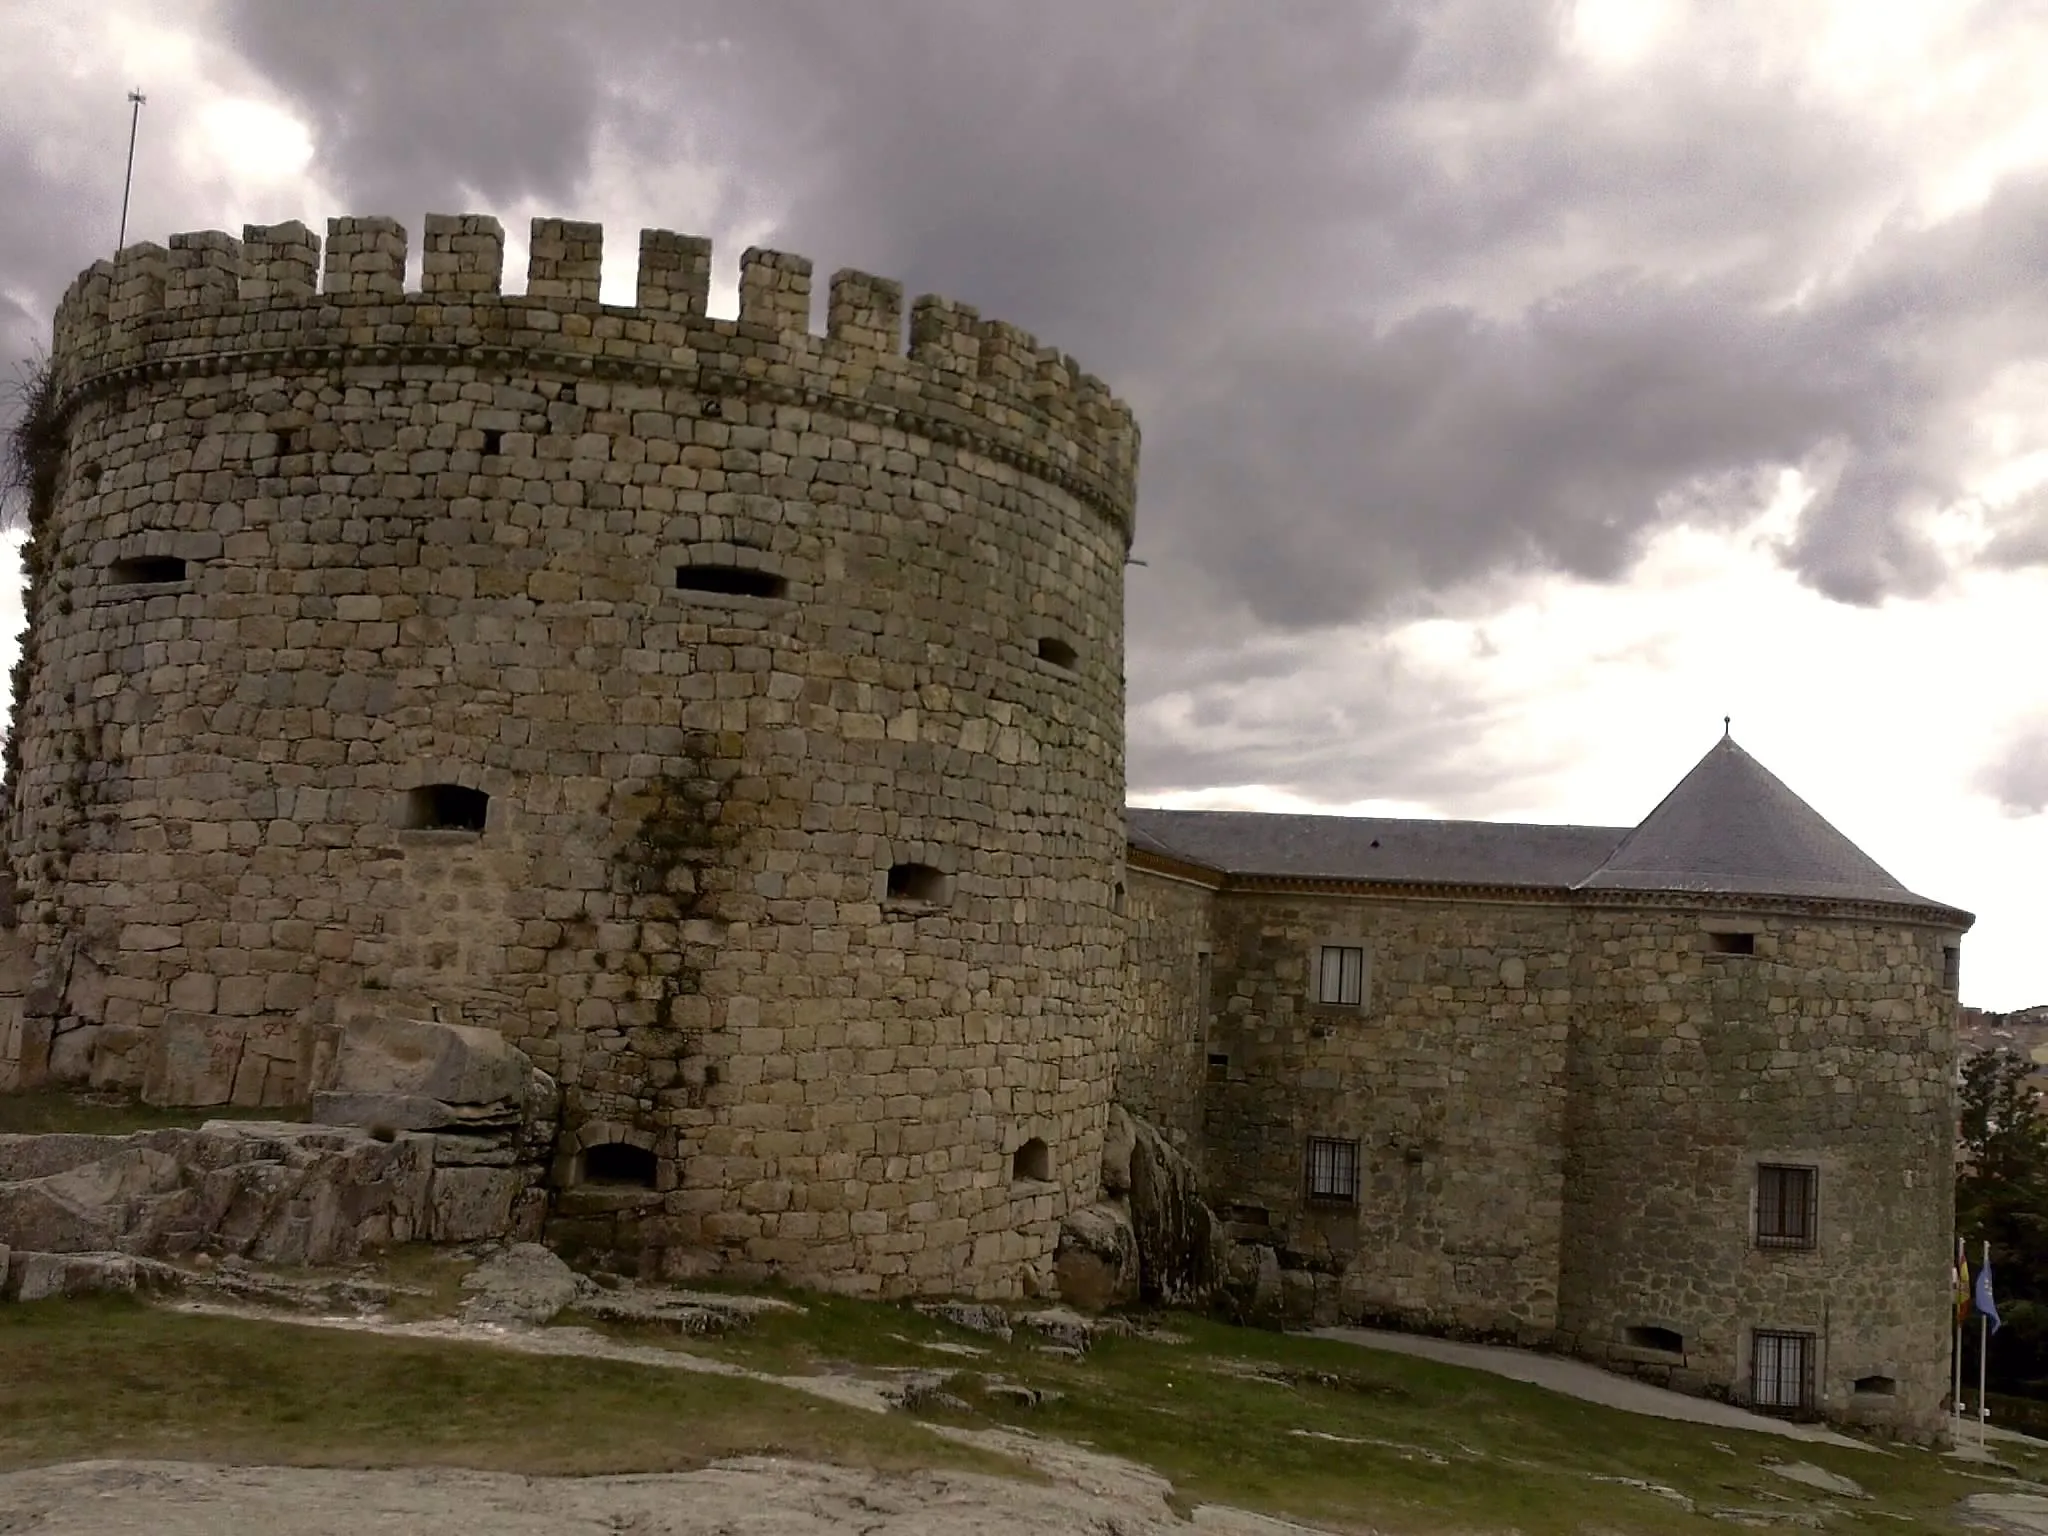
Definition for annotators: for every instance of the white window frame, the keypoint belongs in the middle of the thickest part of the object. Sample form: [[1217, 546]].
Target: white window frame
[[1353, 983]]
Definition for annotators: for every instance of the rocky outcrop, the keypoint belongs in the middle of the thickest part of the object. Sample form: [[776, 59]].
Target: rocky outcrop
[[525, 1286], [424, 1131], [1180, 1242], [1096, 1262], [489, 1113], [1150, 1237], [276, 1193], [395, 1068]]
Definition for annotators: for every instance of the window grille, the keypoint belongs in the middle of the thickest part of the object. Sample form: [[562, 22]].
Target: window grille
[[1333, 1170], [1787, 1201], [1781, 1370], [1342, 979]]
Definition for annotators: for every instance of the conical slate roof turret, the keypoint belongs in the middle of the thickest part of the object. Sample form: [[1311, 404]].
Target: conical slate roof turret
[[1733, 826]]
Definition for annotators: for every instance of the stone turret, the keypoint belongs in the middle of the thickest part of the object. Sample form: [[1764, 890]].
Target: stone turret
[[730, 716]]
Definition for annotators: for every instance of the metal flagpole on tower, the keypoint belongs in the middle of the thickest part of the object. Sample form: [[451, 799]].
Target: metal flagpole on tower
[[136, 99]]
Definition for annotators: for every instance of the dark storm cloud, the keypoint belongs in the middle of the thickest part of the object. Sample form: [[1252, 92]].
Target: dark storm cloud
[[1406, 297], [1335, 478], [1221, 214], [1212, 719], [39, 251], [451, 98]]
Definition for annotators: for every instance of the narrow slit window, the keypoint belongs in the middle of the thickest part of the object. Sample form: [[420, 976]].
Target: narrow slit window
[[494, 441], [1876, 1386], [1787, 1206], [730, 581], [918, 882], [1951, 968], [149, 570], [1781, 1371], [1219, 1067], [1731, 943], [619, 1164], [1646, 1336], [1032, 1162], [1341, 979], [1055, 650], [1332, 1171], [446, 808]]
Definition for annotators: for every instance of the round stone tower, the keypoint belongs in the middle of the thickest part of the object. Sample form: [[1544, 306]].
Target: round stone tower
[[729, 715], [1760, 1140]]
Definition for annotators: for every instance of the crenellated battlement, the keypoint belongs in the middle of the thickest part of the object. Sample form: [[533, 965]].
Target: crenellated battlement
[[280, 296]]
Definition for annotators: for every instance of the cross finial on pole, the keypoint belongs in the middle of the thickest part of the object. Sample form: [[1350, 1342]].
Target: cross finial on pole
[[135, 100]]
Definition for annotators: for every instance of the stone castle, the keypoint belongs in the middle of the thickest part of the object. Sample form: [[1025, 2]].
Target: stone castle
[[730, 717]]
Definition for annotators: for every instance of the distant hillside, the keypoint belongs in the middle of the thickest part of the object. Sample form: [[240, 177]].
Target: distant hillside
[[2024, 1030]]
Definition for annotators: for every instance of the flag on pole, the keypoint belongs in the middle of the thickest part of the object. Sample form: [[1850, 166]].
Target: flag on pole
[[1985, 1305], [1962, 1286]]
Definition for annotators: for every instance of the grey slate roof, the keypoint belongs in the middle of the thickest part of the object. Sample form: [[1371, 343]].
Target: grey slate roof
[[1375, 848], [1732, 825]]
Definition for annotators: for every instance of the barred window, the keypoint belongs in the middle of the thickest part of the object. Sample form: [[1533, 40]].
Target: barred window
[[1333, 1170], [1781, 1370], [1787, 1199], [1342, 978]]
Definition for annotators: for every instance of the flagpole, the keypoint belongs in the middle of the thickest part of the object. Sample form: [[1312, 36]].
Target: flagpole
[[1958, 1306], [135, 101], [1983, 1350]]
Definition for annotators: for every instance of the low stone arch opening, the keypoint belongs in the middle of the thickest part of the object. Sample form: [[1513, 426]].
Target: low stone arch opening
[[446, 808], [1051, 648], [1031, 1163], [730, 580], [920, 884], [148, 570], [1667, 1341], [618, 1165]]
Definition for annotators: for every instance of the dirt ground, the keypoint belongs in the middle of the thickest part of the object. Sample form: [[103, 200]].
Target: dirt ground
[[752, 1497]]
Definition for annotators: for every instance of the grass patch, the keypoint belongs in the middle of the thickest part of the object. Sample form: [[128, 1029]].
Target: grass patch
[[1317, 1430], [1305, 1428], [45, 1111], [112, 1378], [426, 1281], [827, 1333]]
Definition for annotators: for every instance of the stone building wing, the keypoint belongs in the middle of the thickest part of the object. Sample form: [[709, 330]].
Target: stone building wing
[[1732, 826], [1258, 844]]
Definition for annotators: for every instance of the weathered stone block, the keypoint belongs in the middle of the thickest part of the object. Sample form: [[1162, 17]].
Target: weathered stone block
[[472, 1203]]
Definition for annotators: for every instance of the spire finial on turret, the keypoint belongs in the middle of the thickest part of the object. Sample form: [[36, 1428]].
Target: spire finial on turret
[[1727, 726]]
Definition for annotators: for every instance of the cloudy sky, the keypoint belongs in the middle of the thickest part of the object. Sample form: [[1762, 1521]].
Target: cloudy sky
[[1526, 384]]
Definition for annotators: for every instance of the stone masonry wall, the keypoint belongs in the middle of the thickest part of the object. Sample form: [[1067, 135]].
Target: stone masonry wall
[[1450, 1078], [1162, 1041], [1560, 1110], [1832, 1046], [727, 619]]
